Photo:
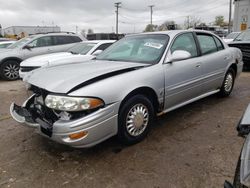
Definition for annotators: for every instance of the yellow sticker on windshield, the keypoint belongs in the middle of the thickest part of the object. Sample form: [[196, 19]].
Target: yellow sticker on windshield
[[153, 45]]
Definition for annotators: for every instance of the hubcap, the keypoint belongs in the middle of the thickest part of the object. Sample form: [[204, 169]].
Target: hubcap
[[228, 82], [11, 71], [137, 120]]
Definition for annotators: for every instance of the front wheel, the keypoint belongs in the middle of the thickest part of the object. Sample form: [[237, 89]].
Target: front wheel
[[228, 83], [135, 119], [9, 70], [237, 183]]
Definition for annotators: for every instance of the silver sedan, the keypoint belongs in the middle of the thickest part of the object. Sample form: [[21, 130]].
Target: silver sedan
[[124, 88]]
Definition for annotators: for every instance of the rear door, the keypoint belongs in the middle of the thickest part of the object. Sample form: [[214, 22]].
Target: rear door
[[64, 42], [183, 78], [215, 59]]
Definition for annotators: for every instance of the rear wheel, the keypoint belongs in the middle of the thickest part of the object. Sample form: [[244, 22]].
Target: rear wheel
[[135, 119], [228, 83], [9, 70]]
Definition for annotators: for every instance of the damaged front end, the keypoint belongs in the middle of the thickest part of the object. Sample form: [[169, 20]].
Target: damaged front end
[[34, 112], [81, 124]]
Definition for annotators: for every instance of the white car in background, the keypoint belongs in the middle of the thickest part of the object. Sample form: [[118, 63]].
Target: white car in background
[[80, 52], [5, 44], [231, 36]]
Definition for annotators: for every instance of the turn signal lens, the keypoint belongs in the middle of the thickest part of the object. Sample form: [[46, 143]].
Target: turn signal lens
[[78, 135]]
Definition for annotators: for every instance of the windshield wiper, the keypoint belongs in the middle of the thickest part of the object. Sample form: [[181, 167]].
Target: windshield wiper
[[237, 39], [72, 52]]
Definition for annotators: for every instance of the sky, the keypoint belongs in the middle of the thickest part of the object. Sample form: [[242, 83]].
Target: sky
[[99, 15]]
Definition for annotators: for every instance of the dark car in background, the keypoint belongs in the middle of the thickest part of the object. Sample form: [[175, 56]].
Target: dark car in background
[[242, 41]]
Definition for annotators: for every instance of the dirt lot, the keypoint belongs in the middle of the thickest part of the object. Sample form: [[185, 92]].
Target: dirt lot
[[195, 146]]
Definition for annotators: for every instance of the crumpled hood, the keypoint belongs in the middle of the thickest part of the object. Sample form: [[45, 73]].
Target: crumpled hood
[[62, 78], [42, 60]]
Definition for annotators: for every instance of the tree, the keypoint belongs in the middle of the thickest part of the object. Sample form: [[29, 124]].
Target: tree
[[83, 32], [90, 31], [167, 25], [219, 20], [192, 22], [150, 28]]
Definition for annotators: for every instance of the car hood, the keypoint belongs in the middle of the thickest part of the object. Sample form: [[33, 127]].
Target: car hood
[[63, 78], [239, 42], [71, 59], [42, 60]]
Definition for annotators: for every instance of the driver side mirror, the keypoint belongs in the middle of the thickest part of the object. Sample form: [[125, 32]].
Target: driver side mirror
[[179, 55], [28, 47], [97, 52]]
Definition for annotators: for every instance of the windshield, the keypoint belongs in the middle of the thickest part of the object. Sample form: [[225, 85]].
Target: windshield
[[20, 43], [243, 36], [139, 48], [232, 35], [81, 48]]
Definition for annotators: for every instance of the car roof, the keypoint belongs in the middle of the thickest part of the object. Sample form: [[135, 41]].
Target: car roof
[[7, 42], [174, 32], [52, 34]]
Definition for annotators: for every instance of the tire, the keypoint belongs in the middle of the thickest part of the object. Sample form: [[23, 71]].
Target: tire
[[237, 183], [9, 70], [135, 119], [228, 83]]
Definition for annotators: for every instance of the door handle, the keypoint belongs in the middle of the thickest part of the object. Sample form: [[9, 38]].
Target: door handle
[[226, 58], [198, 65]]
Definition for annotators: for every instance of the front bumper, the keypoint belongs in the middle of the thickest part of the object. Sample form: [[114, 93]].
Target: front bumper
[[99, 125]]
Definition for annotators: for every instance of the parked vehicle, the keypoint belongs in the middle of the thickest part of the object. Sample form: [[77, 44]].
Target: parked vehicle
[[121, 90], [241, 177], [6, 39], [5, 44], [33, 45], [242, 41], [80, 52], [231, 36]]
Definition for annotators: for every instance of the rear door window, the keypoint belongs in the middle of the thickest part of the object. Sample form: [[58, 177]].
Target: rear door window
[[60, 40], [207, 43], [219, 44]]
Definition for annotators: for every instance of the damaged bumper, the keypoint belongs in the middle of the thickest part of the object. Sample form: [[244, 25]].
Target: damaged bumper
[[96, 126]]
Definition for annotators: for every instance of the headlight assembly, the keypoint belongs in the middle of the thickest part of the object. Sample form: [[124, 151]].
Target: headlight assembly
[[67, 103]]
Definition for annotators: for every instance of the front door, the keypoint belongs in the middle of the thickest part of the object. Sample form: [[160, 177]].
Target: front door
[[183, 78], [39, 46]]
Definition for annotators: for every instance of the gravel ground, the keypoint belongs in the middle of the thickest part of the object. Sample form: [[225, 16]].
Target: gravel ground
[[194, 146]]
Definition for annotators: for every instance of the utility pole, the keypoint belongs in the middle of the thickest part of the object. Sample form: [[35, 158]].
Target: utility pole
[[188, 22], [117, 5], [230, 15], [151, 13]]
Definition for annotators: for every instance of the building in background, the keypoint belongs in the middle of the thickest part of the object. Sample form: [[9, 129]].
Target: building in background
[[23, 31], [241, 20]]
